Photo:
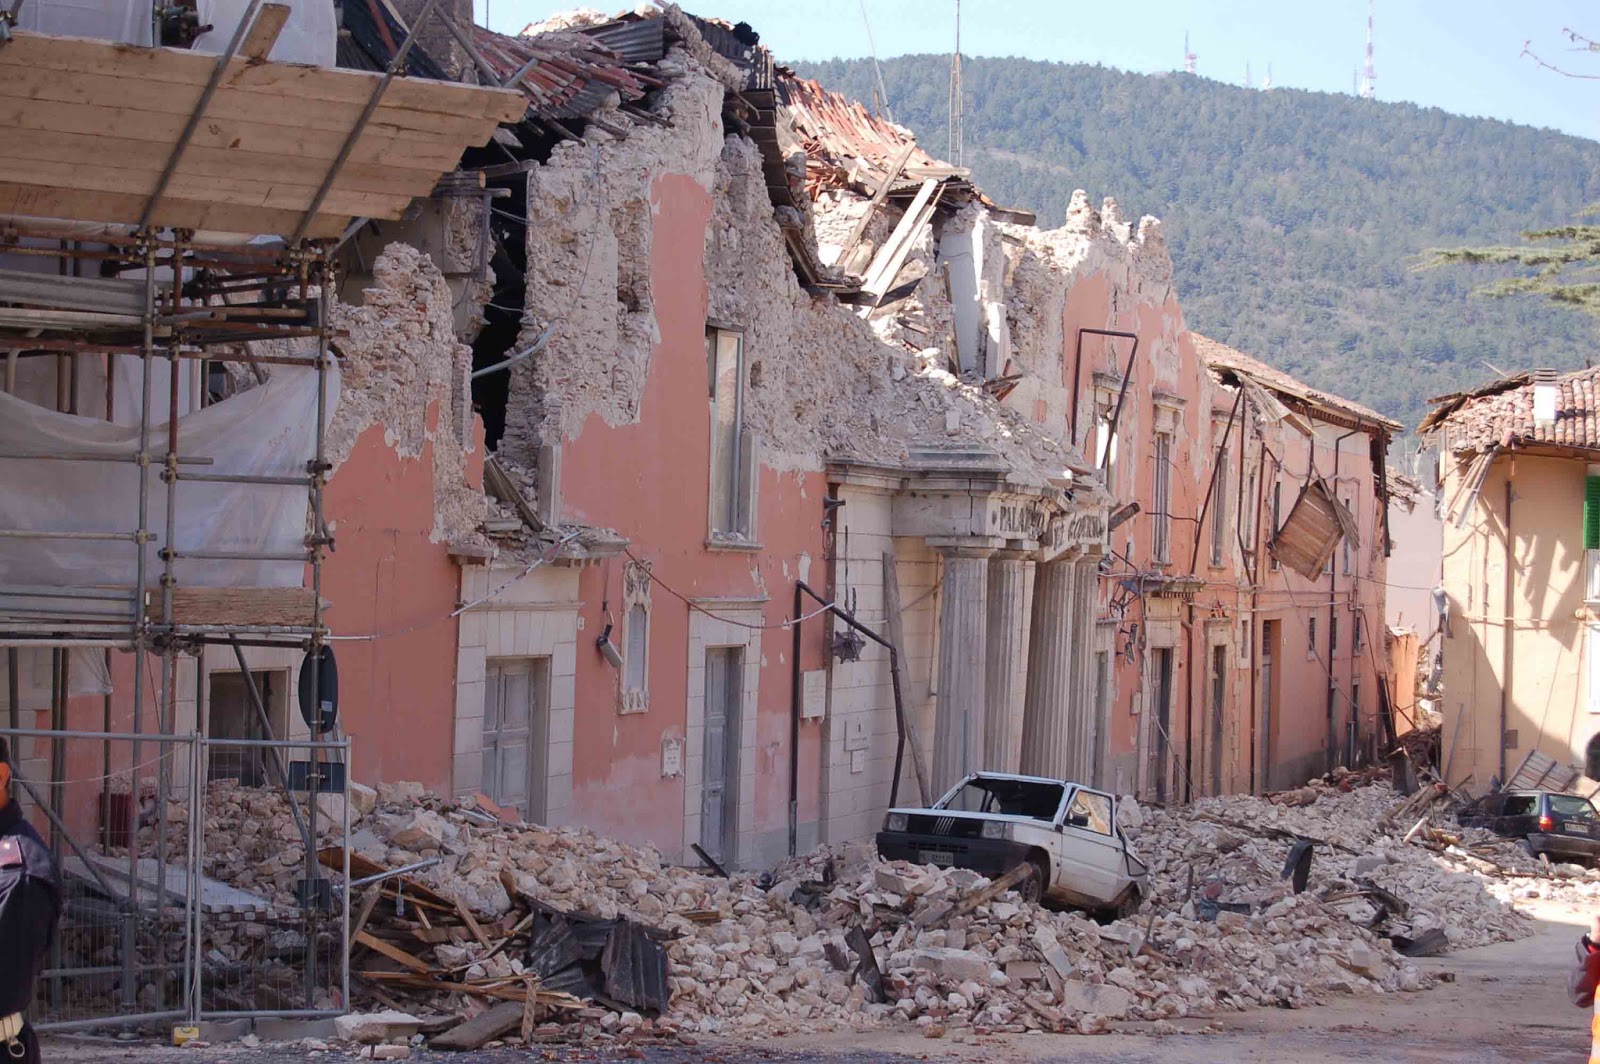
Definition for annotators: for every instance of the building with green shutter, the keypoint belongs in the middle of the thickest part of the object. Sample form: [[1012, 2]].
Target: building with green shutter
[[1519, 473]]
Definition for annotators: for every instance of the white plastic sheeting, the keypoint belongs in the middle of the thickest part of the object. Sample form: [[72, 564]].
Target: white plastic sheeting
[[310, 36], [86, 674], [269, 430], [127, 21]]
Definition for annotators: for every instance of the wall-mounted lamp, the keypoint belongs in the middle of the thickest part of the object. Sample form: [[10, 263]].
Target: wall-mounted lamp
[[606, 647]]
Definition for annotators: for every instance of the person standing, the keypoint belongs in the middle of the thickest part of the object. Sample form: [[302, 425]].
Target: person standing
[[30, 904]]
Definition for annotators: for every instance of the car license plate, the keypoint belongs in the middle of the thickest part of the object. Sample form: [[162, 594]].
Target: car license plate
[[1579, 828], [942, 858]]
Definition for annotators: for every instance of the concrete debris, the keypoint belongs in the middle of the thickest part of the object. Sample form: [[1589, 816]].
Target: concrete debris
[[786, 951]]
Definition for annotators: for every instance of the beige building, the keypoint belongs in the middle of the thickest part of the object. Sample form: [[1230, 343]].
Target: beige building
[[1520, 482]]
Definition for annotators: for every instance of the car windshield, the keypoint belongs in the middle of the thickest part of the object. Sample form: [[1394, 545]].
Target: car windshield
[[1010, 797], [1571, 805]]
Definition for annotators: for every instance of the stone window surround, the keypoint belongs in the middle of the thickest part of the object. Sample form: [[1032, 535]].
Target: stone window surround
[[707, 632], [635, 592], [517, 630]]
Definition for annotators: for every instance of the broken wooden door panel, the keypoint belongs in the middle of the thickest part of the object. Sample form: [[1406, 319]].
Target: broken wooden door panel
[[1314, 527]]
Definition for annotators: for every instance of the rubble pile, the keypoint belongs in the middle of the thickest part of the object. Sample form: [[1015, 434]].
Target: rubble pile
[[836, 939], [1459, 882]]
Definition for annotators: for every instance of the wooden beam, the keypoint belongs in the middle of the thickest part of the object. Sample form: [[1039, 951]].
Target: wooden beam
[[39, 201], [878, 196], [264, 34], [394, 953], [179, 67]]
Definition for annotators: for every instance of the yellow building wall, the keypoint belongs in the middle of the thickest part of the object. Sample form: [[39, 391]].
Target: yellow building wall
[[1546, 704]]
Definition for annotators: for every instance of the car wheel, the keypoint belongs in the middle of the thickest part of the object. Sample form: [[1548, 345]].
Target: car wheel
[[1032, 888], [1128, 907]]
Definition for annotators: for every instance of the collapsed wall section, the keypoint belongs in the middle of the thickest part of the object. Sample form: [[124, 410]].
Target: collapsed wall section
[[404, 370]]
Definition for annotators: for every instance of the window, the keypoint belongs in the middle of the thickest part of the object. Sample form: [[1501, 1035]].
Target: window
[[1519, 805], [1219, 511], [1349, 554], [1311, 636], [1277, 518], [1246, 628], [1591, 513], [732, 445], [1247, 513], [1333, 634], [1360, 624], [1105, 448], [1161, 496], [635, 638], [1091, 812]]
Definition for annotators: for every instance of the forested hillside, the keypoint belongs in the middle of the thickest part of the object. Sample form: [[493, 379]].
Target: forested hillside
[[1295, 219]]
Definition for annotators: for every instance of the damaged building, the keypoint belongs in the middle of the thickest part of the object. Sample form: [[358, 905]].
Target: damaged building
[[638, 437]]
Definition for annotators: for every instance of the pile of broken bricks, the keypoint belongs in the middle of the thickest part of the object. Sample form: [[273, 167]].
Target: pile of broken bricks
[[517, 932]]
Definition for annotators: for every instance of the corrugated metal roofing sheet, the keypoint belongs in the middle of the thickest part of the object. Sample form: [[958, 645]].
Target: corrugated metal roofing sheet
[[564, 74]]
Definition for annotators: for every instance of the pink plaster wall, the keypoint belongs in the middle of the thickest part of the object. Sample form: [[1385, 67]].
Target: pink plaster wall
[[649, 480], [390, 576]]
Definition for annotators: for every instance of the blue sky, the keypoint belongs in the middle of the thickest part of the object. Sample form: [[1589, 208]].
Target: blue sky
[[1461, 55]]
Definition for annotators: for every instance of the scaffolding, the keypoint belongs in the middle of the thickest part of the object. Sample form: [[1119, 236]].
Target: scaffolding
[[203, 304]]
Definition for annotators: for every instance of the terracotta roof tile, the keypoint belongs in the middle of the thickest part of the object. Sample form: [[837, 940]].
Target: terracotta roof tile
[[1221, 357], [1501, 413]]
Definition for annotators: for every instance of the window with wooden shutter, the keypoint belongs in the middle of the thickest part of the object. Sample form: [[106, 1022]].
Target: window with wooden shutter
[[1591, 513]]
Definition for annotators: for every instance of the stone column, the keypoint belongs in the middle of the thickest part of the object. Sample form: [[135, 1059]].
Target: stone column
[[1046, 745], [958, 729], [1006, 670]]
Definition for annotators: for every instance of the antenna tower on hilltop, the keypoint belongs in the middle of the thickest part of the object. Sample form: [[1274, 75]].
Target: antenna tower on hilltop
[[955, 95], [1369, 82], [1267, 84], [1188, 56]]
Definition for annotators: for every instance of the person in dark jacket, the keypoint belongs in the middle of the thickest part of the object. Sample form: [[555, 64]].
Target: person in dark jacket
[[30, 903]]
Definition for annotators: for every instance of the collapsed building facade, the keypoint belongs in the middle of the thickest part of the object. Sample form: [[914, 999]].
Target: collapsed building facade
[[955, 492]]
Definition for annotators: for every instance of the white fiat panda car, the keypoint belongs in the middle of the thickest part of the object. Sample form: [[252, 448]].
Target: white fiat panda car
[[991, 822]]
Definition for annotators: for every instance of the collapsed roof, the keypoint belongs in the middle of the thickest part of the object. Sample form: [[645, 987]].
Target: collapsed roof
[[1500, 414]]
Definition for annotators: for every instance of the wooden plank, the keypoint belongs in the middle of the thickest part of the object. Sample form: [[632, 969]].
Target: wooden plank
[[151, 156], [264, 33], [29, 318], [860, 229], [375, 145], [472, 924], [238, 605], [101, 90], [896, 625], [394, 953], [484, 1027], [233, 193], [369, 901], [36, 201], [182, 67]]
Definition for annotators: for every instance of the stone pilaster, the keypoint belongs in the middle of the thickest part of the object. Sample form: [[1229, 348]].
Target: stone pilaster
[[1046, 742], [1006, 670], [1083, 714], [958, 730]]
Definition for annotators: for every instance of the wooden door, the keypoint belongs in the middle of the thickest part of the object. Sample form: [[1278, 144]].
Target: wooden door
[[719, 795]]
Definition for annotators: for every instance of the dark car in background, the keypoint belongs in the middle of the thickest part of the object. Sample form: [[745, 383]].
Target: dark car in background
[[1564, 826]]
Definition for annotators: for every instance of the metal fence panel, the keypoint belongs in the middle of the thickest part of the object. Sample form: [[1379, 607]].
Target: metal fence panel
[[275, 939], [113, 809]]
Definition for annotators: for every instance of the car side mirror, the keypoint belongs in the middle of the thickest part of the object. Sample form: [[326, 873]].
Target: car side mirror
[[1078, 820]]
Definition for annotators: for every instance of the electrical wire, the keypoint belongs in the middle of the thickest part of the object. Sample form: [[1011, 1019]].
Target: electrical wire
[[695, 606], [543, 559]]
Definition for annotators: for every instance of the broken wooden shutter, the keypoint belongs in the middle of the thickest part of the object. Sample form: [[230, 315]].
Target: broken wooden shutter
[[1591, 513], [1315, 524]]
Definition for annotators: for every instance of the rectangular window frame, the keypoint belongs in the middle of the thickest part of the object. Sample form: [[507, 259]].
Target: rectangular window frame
[[732, 464], [1311, 636], [1219, 511], [1277, 519], [1161, 499]]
